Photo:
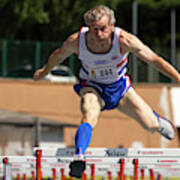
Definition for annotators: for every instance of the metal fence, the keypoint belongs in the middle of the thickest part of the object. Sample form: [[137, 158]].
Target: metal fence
[[20, 59]]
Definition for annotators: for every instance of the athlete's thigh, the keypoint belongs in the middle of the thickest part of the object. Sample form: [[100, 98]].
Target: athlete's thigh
[[134, 106], [90, 90], [91, 105]]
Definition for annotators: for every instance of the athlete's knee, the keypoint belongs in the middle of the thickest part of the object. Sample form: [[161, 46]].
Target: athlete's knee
[[90, 108], [90, 102]]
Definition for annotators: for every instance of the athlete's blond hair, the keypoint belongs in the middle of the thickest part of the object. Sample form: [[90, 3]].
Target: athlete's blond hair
[[97, 12]]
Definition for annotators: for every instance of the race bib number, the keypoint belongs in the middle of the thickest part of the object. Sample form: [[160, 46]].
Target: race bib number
[[106, 72], [103, 73]]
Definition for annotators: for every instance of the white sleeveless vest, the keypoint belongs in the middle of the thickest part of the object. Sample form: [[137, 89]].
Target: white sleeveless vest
[[102, 68]]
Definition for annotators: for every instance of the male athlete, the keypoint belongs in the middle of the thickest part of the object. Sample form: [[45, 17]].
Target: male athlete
[[103, 50]]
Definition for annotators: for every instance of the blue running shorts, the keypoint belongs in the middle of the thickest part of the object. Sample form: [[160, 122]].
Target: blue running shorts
[[110, 93]]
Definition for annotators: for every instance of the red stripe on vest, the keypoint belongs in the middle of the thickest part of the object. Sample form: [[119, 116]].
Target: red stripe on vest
[[124, 60]]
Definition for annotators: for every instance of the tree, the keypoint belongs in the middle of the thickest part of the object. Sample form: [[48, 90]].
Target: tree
[[54, 20]]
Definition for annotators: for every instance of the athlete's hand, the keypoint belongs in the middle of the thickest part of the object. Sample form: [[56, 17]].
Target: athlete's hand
[[39, 74]]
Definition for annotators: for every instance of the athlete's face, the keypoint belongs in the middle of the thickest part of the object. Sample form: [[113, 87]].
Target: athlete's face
[[101, 29]]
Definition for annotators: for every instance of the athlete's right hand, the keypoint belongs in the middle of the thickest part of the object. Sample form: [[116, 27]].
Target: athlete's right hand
[[39, 74]]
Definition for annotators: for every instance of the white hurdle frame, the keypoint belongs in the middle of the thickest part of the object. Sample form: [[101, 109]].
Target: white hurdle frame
[[165, 161]]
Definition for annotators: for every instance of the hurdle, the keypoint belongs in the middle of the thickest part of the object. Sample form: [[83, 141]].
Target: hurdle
[[104, 162], [161, 159]]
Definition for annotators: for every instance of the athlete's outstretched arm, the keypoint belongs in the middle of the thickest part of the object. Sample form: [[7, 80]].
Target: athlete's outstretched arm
[[132, 44], [58, 56]]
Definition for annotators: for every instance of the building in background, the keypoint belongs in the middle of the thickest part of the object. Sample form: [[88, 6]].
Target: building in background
[[20, 132]]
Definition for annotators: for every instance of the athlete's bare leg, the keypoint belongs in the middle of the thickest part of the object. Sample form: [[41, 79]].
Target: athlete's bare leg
[[91, 105], [134, 106]]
